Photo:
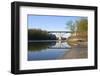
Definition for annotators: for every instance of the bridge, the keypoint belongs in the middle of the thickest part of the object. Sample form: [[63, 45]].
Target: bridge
[[59, 34]]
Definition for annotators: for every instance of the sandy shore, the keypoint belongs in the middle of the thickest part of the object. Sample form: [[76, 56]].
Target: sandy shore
[[76, 53]]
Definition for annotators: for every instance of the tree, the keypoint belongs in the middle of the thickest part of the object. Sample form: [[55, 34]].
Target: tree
[[38, 34], [79, 31], [71, 26], [82, 25]]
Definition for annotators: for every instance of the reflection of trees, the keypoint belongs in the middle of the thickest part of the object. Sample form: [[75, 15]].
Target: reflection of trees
[[38, 34], [38, 46]]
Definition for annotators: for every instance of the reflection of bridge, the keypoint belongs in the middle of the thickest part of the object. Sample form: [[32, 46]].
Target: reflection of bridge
[[60, 44], [59, 34]]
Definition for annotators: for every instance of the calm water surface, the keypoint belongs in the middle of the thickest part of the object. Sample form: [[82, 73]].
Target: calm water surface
[[49, 50]]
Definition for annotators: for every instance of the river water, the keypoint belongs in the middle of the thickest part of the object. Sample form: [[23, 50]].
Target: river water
[[52, 50]]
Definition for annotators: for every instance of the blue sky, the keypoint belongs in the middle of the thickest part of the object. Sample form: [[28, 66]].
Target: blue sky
[[50, 23]]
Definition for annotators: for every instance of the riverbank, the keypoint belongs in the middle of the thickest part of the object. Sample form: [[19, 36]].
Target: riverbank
[[75, 53], [78, 39]]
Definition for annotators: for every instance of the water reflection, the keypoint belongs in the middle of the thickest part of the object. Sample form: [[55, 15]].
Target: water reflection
[[46, 54], [38, 46], [48, 50]]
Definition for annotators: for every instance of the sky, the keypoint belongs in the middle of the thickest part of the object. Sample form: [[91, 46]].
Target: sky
[[50, 23]]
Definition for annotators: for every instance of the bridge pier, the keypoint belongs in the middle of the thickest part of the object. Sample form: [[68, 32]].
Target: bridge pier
[[59, 34]]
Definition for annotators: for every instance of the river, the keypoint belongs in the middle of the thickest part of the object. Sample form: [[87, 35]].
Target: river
[[53, 49]]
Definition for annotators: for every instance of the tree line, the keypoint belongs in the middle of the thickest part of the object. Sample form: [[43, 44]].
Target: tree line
[[38, 34]]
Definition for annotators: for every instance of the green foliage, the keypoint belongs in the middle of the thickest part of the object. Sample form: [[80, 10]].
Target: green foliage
[[82, 25], [38, 34]]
